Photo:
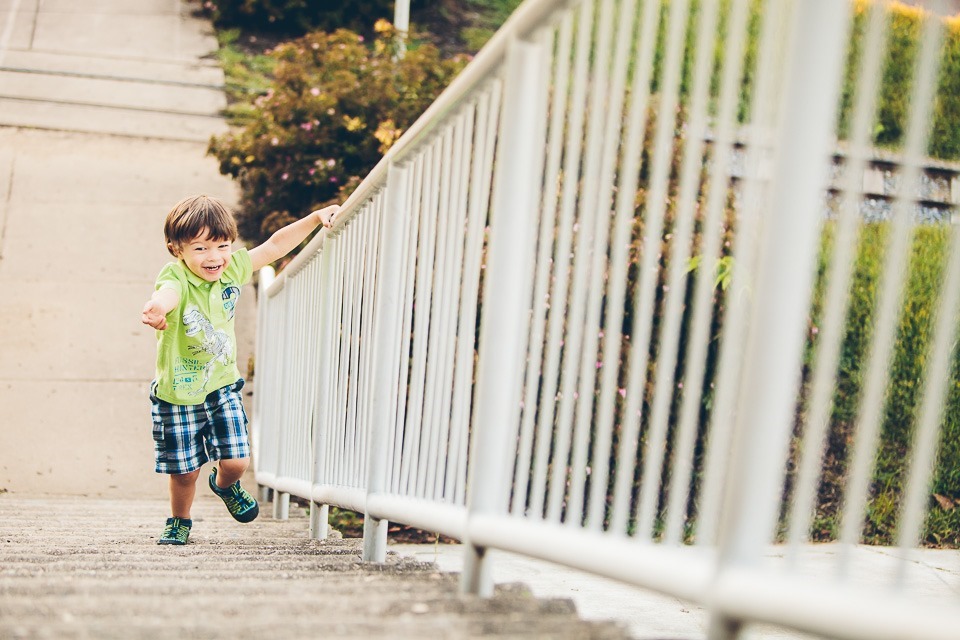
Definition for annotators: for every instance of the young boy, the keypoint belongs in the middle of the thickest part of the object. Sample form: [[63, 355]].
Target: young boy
[[197, 410]]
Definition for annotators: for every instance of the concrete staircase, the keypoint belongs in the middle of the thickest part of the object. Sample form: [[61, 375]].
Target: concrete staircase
[[81, 567], [152, 77]]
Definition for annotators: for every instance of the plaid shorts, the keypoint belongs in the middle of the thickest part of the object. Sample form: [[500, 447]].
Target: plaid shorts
[[186, 436]]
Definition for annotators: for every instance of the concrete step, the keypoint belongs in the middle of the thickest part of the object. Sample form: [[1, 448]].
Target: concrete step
[[80, 568], [111, 92], [90, 118], [170, 100], [196, 73]]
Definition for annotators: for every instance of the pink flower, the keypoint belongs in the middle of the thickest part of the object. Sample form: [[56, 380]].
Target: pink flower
[[314, 91], [622, 392]]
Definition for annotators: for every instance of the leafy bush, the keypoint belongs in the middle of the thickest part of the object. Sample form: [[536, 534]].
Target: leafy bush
[[296, 17], [335, 106]]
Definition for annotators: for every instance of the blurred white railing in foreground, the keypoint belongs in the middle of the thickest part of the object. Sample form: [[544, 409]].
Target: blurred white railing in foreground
[[487, 343]]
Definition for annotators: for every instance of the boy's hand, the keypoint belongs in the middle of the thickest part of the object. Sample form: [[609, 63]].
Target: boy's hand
[[326, 214], [154, 316]]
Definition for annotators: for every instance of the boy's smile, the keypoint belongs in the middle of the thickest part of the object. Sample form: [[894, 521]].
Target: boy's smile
[[206, 257]]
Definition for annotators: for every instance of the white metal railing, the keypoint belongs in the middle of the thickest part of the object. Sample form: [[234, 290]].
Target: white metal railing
[[501, 339]]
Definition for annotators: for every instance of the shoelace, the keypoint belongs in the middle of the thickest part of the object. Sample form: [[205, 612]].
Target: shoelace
[[177, 531], [238, 500]]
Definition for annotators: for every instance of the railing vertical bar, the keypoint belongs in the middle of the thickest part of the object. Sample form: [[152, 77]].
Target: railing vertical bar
[[335, 314], [455, 240], [264, 355], [544, 260], [588, 288], [542, 40], [353, 418], [809, 101], [488, 113], [343, 396], [370, 320], [743, 254], [655, 205], [505, 303], [383, 357], [689, 188], [296, 383], [323, 365], [560, 308], [447, 481], [617, 265], [625, 214], [438, 304], [554, 301], [399, 203], [283, 434], [890, 292], [421, 328], [350, 274], [838, 275], [401, 452]]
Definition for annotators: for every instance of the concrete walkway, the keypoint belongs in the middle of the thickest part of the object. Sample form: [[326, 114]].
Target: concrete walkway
[[106, 107]]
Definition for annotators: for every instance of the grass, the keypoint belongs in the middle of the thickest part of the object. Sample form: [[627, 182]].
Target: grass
[[248, 72]]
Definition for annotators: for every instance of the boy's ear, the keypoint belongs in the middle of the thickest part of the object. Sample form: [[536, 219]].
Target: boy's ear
[[173, 249]]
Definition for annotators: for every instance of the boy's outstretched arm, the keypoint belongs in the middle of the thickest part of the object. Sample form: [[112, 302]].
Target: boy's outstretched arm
[[286, 239], [158, 306]]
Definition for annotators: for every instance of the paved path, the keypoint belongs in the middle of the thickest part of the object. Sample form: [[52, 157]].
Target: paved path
[[90, 568], [106, 107]]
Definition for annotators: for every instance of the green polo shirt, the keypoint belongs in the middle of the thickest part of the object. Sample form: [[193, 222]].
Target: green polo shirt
[[197, 353]]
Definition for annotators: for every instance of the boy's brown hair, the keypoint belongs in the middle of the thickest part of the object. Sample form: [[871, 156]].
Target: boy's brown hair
[[195, 216]]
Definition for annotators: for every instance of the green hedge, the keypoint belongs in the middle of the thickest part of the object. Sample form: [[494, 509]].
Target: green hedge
[[920, 299]]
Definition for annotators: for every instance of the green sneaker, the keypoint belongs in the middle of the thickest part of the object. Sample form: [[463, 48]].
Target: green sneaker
[[176, 532], [241, 505]]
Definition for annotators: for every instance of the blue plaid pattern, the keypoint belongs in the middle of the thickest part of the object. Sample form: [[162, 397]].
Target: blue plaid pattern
[[187, 436]]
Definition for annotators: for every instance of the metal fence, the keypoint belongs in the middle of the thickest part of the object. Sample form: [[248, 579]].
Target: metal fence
[[515, 334]]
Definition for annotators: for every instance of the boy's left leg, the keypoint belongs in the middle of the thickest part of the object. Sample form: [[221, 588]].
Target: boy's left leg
[[228, 443], [230, 471]]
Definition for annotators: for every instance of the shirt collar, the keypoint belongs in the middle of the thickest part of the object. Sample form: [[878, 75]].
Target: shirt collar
[[193, 278]]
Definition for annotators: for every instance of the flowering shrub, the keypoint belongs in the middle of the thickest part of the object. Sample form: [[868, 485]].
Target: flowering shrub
[[335, 106], [295, 16]]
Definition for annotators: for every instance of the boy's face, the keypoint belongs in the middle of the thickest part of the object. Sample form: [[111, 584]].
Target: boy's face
[[206, 257]]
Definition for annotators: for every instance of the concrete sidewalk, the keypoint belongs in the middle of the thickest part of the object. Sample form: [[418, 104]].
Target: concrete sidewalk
[[106, 109], [934, 576]]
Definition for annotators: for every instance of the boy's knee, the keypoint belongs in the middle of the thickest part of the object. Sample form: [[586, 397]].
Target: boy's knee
[[185, 478], [234, 464]]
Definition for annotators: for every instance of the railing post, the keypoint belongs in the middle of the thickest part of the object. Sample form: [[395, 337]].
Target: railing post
[[319, 513], [785, 268], [506, 302], [266, 277], [319, 519], [281, 505], [386, 337]]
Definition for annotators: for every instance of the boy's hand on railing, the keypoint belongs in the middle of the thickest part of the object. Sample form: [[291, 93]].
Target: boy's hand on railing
[[326, 214]]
